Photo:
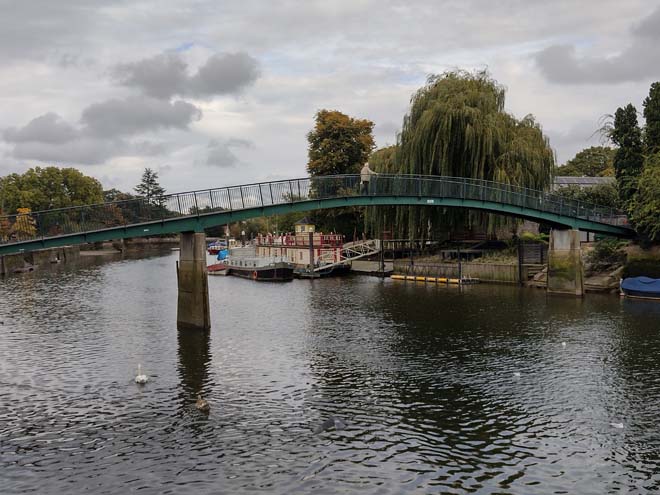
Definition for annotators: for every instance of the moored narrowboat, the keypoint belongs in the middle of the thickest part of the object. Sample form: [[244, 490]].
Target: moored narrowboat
[[260, 269]]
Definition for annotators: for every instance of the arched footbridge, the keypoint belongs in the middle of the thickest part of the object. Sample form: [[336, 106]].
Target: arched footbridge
[[197, 210]]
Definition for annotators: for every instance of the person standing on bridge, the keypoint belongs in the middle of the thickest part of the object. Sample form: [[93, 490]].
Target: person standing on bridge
[[365, 178]]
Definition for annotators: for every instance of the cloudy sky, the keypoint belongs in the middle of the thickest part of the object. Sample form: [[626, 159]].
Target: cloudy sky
[[211, 93]]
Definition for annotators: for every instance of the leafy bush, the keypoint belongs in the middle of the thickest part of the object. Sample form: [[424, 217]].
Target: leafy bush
[[645, 206], [607, 253], [647, 267], [530, 236]]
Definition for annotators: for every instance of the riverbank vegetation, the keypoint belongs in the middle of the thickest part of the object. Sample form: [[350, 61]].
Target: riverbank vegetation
[[637, 163], [457, 126]]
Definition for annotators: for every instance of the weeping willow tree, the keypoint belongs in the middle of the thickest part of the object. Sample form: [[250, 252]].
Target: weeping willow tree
[[457, 127]]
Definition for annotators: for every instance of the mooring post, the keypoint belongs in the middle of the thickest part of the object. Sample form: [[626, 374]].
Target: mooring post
[[521, 259], [460, 263], [193, 300], [382, 255]]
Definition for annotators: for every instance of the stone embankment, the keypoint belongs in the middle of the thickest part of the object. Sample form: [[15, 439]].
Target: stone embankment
[[23, 262], [26, 262]]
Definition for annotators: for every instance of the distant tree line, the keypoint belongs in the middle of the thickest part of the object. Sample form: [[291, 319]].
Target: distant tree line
[[52, 188]]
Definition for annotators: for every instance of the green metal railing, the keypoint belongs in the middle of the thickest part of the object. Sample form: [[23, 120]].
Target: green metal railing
[[80, 219]]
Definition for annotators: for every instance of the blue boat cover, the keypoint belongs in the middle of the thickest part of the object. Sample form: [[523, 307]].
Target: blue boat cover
[[642, 284], [223, 254]]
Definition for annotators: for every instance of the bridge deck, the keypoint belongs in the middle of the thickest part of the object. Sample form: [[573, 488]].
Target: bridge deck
[[196, 210]]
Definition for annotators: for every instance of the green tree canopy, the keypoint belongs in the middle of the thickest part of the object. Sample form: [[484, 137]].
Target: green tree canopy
[[596, 161], [457, 126], [382, 160], [338, 144], [628, 159], [149, 187], [652, 117], [600, 194], [113, 194], [48, 187], [645, 207]]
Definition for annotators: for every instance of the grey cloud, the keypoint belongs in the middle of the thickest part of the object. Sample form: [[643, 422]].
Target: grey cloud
[[568, 141], [83, 150], [240, 143], [69, 60], [39, 28], [639, 61], [161, 76], [134, 115], [649, 27], [165, 75], [149, 148], [50, 138], [224, 74], [387, 130], [220, 153], [48, 128]]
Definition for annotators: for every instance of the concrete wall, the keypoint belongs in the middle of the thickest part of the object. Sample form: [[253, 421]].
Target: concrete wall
[[486, 272], [565, 270], [42, 257]]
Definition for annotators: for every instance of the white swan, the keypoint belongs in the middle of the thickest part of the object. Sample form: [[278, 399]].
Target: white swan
[[140, 378]]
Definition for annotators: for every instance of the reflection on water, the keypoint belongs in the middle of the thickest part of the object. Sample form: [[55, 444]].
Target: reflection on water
[[425, 378], [194, 363]]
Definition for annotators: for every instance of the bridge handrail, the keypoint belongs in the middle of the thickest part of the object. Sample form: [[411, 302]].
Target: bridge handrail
[[85, 218]]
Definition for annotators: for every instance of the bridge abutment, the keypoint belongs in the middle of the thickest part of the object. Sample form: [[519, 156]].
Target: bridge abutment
[[193, 300], [565, 271]]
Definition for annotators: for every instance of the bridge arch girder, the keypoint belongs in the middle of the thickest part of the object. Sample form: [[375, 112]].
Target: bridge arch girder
[[197, 223]]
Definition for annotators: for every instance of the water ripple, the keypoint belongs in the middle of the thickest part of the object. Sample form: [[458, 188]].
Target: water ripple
[[424, 378]]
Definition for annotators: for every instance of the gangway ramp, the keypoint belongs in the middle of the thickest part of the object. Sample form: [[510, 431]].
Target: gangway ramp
[[349, 252]]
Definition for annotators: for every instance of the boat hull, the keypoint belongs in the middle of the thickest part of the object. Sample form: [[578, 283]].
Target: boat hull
[[263, 274], [641, 288], [641, 295], [333, 271], [217, 269]]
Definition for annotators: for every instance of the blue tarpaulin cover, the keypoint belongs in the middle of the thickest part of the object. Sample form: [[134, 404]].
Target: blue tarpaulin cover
[[223, 254], [642, 285]]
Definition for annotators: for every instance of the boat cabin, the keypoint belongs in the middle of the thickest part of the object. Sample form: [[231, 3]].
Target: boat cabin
[[302, 248]]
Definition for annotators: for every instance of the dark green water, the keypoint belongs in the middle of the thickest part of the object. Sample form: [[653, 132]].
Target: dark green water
[[425, 379]]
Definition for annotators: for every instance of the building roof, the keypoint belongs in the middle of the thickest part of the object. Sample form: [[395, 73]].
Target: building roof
[[304, 221], [564, 180]]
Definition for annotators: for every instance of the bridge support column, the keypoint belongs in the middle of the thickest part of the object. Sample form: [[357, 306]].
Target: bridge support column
[[193, 302], [565, 271]]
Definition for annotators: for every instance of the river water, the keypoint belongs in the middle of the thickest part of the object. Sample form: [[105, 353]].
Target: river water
[[425, 379]]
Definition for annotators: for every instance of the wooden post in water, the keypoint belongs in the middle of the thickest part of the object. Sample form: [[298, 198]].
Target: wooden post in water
[[460, 265], [382, 255], [193, 300], [521, 257]]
